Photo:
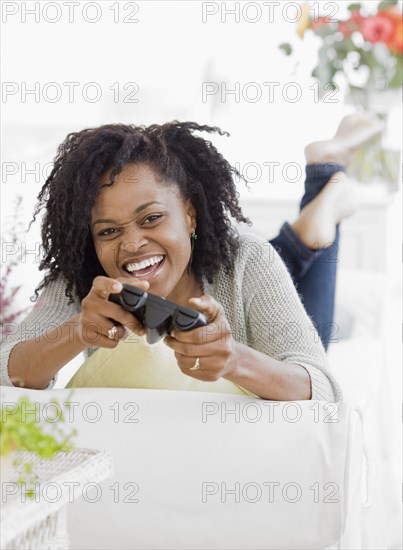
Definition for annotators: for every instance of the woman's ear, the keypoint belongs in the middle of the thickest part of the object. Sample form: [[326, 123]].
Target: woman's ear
[[191, 214]]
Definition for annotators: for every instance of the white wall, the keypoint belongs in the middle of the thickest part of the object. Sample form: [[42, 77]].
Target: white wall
[[168, 53]]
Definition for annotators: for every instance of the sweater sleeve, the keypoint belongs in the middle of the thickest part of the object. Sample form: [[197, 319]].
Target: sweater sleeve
[[278, 324], [50, 310]]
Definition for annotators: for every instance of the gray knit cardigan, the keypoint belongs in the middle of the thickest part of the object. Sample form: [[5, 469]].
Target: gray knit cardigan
[[260, 302]]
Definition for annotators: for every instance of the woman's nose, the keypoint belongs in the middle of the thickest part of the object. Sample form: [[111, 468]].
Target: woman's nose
[[132, 242], [129, 247]]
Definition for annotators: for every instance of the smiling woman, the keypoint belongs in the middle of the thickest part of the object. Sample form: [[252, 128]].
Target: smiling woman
[[153, 207], [151, 239]]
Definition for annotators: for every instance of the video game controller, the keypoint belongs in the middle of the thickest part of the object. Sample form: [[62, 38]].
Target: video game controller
[[157, 314]]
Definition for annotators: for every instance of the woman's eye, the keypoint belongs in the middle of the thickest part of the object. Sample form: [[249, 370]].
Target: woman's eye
[[152, 218], [106, 232]]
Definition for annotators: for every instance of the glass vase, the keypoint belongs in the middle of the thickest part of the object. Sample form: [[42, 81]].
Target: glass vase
[[378, 161]]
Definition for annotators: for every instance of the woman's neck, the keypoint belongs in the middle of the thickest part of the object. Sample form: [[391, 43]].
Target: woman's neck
[[188, 287]]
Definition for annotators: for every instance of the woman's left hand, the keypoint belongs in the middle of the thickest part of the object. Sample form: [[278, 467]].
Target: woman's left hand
[[212, 347]]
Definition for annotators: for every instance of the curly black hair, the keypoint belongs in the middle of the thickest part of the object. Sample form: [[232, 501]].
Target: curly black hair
[[192, 163]]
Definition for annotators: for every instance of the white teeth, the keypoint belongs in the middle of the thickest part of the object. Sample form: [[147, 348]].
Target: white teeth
[[144, 263]]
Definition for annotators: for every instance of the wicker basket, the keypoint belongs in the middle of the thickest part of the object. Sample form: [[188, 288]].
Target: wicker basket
[[39, 522]]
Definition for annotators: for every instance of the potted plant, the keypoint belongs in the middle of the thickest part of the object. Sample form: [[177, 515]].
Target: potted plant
[[23, 430]]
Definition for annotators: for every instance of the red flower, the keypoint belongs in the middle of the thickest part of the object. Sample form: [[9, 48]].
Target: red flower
[[345, 28], [378, 28], [348, 26], [356, 17], [319, 22]]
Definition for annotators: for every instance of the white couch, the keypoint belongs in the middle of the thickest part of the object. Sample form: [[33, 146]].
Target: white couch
[[368, 367], [189, 473]]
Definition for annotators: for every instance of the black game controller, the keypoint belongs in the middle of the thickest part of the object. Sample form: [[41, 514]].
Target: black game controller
[[157, 314]]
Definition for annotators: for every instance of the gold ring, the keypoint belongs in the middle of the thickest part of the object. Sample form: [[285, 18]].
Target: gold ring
[[112, 332], [196, 366]]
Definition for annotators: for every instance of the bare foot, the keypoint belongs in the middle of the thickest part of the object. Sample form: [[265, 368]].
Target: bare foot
[[353, 132], [316, 224]]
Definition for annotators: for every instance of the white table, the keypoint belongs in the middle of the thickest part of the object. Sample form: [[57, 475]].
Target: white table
[[39, 522]]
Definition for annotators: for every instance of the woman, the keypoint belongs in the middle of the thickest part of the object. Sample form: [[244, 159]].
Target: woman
[[151, 206]]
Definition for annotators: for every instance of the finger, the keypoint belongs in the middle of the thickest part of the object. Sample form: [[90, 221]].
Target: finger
[[105, 342], [144, 285], [203, 373], [102, 328], [103, 286], [129, 318], [187, 364], [185, 349], [195, 336], [95, 334], [118, 333], [108, 312], [213, 311], [135, 326], [117, 313], [101, 289], [206, 305]]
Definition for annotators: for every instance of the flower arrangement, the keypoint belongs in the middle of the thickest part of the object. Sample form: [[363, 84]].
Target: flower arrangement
[[20, 430], [363, 50], [366, 47], [7, 294]]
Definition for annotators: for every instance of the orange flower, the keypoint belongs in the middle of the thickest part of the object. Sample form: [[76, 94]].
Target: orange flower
[[378, 28], [395, 42]]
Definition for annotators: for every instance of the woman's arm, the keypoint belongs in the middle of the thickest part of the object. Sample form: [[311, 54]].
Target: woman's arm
[[51, 310], [57, 332], [267, 377], [278, 325], [275, 351], [34, 363], [220, 356]]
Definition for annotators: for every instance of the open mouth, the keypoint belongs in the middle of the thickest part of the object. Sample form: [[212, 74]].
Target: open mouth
[[145, 268]]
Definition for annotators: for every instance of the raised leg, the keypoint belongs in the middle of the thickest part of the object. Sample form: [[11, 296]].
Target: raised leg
[[309, 246]]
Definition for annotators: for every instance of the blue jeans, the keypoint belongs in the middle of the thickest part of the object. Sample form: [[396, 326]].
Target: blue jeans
[[313, 271]]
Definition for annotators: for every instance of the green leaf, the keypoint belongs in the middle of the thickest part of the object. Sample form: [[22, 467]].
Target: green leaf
[[354, 7], [325, 31], [286, 48], [386, 4]]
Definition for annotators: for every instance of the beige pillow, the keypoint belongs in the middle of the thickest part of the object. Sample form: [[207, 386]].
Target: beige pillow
[[136, 364]]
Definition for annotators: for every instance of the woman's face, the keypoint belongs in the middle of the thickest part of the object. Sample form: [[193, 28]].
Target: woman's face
[[141, 228]]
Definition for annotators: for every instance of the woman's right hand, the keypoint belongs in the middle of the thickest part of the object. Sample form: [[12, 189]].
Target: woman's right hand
[[97, 312]]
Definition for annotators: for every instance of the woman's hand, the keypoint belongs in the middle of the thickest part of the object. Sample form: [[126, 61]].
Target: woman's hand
[[213, 345], [97, 313]]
